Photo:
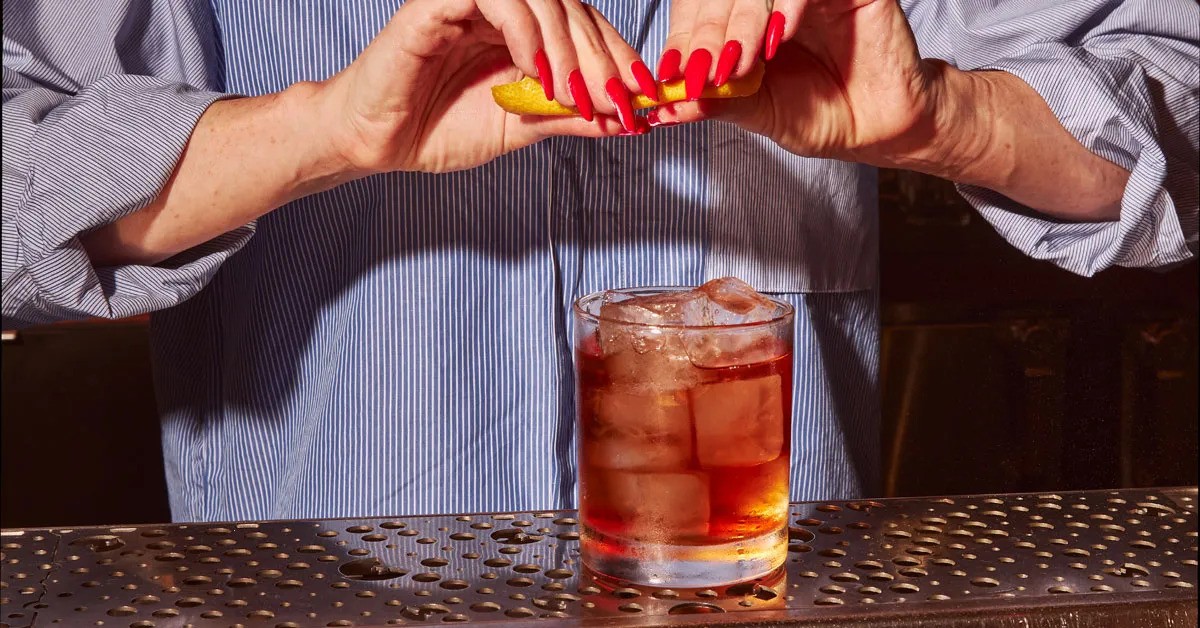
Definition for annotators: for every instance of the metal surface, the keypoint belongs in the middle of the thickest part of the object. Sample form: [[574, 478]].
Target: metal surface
[[1068, 559]]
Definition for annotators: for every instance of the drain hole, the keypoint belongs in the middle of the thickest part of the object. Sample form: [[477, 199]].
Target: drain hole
[[694, 608], [369, 569], [800, 534], [100, 543], [515, 536]]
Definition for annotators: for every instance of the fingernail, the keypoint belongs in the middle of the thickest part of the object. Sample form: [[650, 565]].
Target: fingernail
[[774, 34], [644, 78], [640, 127], [668, 66], [728, 61], [579, 92], [619, 95], [542, 63], [696, 74]]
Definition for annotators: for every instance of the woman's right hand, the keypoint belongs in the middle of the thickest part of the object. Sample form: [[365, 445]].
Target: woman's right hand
[[419, 98]]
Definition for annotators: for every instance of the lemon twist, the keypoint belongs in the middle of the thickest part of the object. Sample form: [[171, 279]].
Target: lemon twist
[[525, 97]]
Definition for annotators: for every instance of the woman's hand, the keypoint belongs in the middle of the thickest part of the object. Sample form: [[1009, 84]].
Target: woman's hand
[[849, 84], [419, 97], [846, 82], [712, 41]]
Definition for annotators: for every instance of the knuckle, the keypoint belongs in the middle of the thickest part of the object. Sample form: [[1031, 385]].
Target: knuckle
[[589, 41], [743, 17], [518, 24], [710, 25], [678, 38]]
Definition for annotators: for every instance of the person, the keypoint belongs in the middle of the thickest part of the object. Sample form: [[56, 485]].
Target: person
[[361, 270]]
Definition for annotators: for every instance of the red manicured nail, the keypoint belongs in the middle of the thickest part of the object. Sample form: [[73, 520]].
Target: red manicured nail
[[579, 92], [696, 73], [542, 63], [622, 100], [644, 78], [668, 66], [774, 35], [640, 127], [730, 55]]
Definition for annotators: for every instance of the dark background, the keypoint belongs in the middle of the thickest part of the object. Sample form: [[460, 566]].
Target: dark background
[[1000, 374]]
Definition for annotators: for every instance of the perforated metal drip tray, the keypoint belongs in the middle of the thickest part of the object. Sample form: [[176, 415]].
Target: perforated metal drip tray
[[980, 560]]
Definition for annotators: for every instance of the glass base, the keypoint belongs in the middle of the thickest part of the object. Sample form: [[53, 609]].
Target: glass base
[[683, 566]]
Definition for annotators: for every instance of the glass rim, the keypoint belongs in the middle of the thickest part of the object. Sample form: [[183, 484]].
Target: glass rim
[[786, 310]]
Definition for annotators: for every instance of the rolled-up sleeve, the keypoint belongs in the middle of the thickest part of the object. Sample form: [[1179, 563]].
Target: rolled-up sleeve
[[1122, 76], [99, 102]]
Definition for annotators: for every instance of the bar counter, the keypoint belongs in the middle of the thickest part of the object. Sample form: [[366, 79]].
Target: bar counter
[[1093, 558]]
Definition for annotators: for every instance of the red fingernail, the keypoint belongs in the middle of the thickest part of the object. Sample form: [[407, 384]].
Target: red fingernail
[[542, 63], [640, 127], [668, 66], [696, 74], [644, 78], [579, 92], [774, 34], [619, 95], [728, 61]]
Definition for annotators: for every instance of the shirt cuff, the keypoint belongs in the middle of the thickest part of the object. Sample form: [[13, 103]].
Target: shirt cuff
[[101, 155], [1105, 104]]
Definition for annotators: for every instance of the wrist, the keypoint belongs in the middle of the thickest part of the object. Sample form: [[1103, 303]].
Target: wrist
[[360, 132], [309, 110], [960, 132]]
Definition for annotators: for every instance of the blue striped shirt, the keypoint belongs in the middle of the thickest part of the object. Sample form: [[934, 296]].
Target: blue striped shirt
[[400, 344]]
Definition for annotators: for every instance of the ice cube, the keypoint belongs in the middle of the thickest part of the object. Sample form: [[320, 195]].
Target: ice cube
[[647, 323], [719, 348], [666, 308], [739, 423], [663, 507], [732, 301], [644, 431], [729, 301], [658, 339], [667, 368], [647, 352]]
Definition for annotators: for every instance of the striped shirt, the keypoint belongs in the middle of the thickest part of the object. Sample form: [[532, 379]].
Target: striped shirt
[[400, 344]]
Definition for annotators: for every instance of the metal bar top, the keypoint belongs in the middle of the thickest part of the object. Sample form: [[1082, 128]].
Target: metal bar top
[[1073, 558]]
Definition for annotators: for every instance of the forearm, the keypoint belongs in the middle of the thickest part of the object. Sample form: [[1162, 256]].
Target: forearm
[[245, 158], [991, 130]]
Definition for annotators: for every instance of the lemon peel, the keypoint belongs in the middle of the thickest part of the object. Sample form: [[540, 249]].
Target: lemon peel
[[525, 97]]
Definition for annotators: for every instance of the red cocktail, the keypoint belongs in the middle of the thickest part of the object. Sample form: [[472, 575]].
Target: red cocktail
[[684, 402]]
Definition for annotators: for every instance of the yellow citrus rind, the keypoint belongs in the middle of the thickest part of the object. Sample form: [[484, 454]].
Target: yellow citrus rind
[[525, 97]]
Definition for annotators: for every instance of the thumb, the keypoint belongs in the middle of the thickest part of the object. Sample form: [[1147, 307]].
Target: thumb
[[522, 131]]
